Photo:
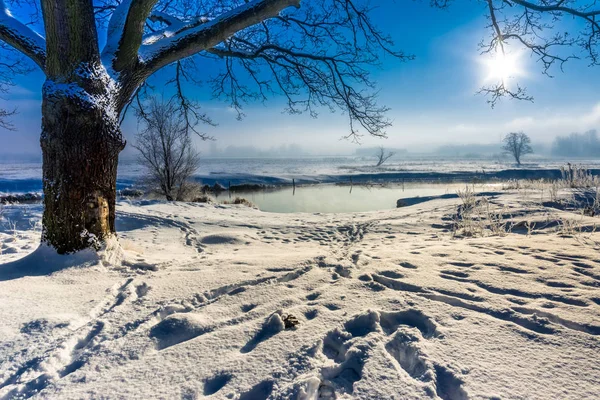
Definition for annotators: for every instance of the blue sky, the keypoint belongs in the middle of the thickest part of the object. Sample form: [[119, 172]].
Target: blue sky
[[433, 98]]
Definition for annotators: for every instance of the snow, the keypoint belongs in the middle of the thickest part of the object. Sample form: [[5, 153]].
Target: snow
[[172, 36], [93, 101], [174, 25], [22, 32], [25, 176], [114, 35], [192, 302]]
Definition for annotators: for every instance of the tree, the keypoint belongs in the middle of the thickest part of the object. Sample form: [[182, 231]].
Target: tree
[[166, 149], [316, 54], [382, 156], [518, 145], [577, 145]]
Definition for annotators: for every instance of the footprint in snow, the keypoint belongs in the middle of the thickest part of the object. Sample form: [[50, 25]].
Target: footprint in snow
[[408, 328], [213, 384], [271, 327]]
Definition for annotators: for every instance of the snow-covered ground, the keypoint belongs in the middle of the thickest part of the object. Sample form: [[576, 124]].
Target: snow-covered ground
[[198, 301]]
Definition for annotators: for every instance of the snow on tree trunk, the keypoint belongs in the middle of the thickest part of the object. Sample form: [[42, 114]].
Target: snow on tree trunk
[[81, 141]]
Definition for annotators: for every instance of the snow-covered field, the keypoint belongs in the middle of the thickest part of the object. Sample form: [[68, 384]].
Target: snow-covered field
[[199, 301], [27, 177]]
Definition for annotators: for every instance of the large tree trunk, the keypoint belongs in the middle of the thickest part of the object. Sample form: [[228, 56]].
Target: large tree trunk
[[81, 141]]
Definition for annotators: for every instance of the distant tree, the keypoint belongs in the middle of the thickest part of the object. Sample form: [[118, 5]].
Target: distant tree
[[166, 149], [517, 144], [382, 156], [577, 145]]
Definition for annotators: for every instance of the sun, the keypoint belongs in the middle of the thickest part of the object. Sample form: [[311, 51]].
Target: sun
[[502, 67]]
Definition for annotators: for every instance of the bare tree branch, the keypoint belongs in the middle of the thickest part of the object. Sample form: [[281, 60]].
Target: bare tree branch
[[500, 90], [4, 122], [22, 37], [382, 157], [193, 40], [12, 65], [189, 110], [317, 56], [536, 26]]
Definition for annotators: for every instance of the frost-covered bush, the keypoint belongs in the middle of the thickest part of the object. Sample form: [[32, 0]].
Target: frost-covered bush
[[203, 198], [132, 193], [478, 217], [242, 201], [576, 176]]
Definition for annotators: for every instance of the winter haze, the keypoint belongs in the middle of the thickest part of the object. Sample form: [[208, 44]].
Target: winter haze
[[433, 99]]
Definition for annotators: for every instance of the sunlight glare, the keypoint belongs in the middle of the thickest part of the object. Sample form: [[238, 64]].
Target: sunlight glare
[[501, 67]]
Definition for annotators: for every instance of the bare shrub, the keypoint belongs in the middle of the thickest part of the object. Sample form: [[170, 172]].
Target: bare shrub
[[190, 191], [465, 219], [477, 217], [553, 191], [382, 157], [130, 193], [575, 176], [494, 219], [529, 227], [511, 184], [166, 150], [468, 198], [241, 201], [568, 227], [522, 184], [203, 198]]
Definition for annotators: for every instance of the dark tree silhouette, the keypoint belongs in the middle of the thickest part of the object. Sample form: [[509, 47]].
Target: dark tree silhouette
[[316, 54], [517, 144]]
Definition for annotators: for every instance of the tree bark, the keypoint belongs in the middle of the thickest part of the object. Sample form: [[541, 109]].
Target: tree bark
[[81, 141]]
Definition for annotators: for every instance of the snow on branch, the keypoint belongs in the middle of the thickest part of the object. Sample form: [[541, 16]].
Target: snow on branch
[[125, 33], [174, 26], [165, 18], [318, 56], [22, 37], [190, 41]]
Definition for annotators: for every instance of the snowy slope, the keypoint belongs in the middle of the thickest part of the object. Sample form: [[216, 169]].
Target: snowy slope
[[389, 306]]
